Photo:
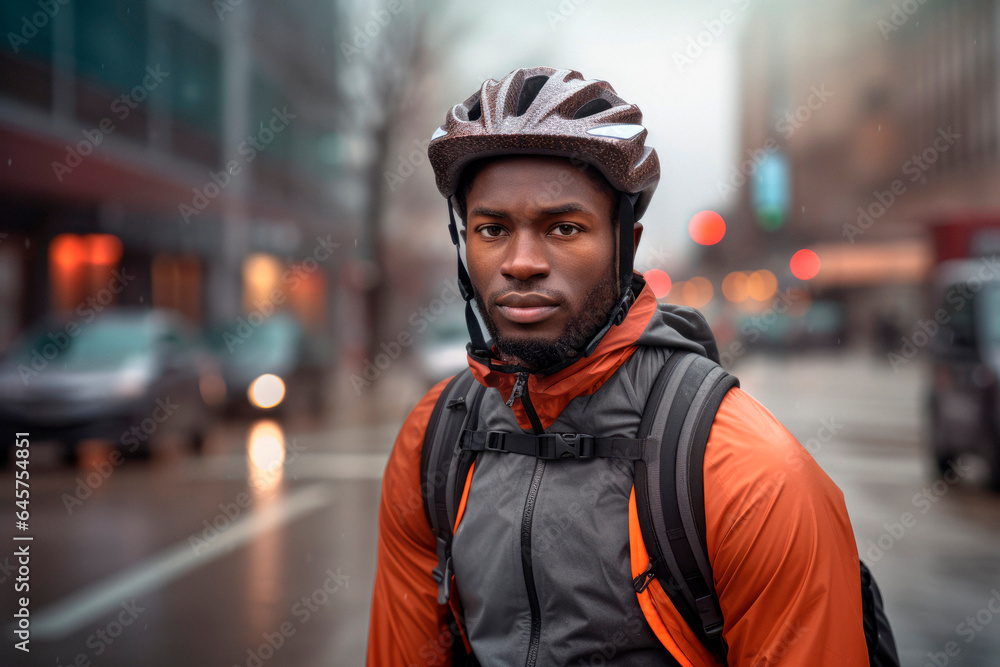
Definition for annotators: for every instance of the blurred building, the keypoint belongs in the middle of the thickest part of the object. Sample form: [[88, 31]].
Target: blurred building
[[864, 124], [177, 154]]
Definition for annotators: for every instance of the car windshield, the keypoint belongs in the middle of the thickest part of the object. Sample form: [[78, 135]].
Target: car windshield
[[448, 332], [105, 343], [272, 342]]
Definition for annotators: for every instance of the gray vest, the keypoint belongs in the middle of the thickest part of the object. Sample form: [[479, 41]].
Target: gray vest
[[568, 520]]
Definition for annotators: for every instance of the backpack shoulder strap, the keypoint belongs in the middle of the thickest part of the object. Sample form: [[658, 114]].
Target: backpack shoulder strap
[[444, 467], [669, 489]]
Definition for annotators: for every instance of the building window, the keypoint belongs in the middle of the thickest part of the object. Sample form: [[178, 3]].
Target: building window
[[26, 53]]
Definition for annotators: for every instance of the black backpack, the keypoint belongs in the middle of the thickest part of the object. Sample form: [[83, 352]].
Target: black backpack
[[689, 384]]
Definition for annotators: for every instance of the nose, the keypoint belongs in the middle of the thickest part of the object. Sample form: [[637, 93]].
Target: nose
[[525, 257]]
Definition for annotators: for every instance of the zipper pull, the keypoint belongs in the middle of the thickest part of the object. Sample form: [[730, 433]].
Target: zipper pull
[[518, 389], [642, 581]]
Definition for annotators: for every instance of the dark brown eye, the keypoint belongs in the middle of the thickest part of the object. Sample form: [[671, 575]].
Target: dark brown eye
[[491, 231], [566, 230]]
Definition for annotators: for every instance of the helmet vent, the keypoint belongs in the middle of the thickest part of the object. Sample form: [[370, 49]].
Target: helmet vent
[[477, 110], [529, 91], [596, 105]]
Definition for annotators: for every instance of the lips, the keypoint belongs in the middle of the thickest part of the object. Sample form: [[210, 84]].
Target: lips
[[526, 308]]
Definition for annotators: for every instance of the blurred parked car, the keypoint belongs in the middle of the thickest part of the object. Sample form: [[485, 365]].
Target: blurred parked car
[[129, 376], [964, 400], [823, 325], [440, 350], [273, 366]]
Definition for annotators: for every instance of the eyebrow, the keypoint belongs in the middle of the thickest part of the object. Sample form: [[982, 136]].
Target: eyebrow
[[487, 212], [570, 207]]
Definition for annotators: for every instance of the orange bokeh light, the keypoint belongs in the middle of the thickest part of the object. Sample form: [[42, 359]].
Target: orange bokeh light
[[734, 287], [762, 285], [707, 228], [804, 264], [658, 281], [104, 248], [697, 292], [67, 250]]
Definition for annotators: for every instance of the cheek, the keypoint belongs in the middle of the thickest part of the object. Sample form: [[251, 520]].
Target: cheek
[[588, 264], [481, 265]]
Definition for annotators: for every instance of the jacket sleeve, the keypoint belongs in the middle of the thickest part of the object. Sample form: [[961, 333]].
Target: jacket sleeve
[[783, 553], [407, 625]]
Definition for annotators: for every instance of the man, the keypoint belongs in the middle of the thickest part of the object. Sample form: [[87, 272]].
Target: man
[[549, 174]]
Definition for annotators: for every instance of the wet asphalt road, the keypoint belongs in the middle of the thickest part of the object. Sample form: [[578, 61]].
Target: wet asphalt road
[[261, 552]]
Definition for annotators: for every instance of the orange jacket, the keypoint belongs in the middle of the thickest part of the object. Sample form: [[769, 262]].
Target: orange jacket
[[779, 537]]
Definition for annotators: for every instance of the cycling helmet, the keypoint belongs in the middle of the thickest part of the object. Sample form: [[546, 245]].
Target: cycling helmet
[[545, 111]]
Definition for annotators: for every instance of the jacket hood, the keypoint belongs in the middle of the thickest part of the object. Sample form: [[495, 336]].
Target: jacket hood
[[648, 323]]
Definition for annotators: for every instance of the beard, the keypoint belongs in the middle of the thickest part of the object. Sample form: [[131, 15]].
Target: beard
[[541, 353]]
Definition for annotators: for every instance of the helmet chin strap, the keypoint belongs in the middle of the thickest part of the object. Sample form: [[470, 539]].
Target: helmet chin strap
[[478, 346], [626, 241]]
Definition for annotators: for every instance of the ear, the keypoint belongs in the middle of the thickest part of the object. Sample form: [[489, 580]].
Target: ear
[[637, 234]]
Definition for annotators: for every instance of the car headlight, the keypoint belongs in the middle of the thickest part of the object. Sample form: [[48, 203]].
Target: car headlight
[[132, 381], [267, 391]]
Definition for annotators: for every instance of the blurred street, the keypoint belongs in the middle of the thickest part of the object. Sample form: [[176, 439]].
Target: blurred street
[[261, 552]]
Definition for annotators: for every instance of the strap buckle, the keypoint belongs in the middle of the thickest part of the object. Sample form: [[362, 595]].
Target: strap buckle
[[566, 446], [443, 571], [495, 442], [710, 618]]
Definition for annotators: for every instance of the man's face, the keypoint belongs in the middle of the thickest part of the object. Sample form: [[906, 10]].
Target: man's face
[[542, 257]]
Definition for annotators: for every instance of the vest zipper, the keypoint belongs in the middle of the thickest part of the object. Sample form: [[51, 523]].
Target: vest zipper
[[529, 576], [521, 391], [522, 379]]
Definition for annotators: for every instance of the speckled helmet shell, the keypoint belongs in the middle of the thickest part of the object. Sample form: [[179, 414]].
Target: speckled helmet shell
[[545, 111]]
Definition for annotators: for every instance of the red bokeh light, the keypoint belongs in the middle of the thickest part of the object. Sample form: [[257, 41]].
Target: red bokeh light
[[804, 264], [707, 228], [658, 281]]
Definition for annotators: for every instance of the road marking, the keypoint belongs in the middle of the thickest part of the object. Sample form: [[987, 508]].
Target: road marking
[[330, 466], [73, 612]]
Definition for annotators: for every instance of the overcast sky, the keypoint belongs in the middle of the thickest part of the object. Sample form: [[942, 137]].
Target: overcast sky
[[689, 108]]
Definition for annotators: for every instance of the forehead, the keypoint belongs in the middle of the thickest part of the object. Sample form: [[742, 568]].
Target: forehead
[[545, 179]]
